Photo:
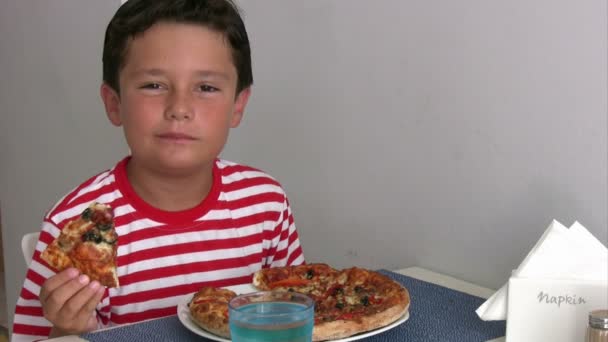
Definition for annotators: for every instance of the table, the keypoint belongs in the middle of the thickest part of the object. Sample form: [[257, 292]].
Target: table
[[414, 273], [451, 283]]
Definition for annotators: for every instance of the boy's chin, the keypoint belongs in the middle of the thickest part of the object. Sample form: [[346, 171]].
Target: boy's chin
[[180, 166]]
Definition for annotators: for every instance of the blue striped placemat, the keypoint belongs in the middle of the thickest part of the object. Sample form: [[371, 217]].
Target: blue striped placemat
[[436, 314]]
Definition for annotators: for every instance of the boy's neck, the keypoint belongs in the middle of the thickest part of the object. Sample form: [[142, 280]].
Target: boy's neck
[[169, 192]]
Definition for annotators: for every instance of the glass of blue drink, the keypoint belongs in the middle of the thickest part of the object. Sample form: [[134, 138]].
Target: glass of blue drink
[[270, 316]]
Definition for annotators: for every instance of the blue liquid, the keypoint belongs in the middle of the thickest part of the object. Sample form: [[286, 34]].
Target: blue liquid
[[288, 322]]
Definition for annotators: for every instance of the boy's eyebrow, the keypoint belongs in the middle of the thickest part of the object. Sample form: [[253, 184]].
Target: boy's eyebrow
[[211, 74], [201, 73]]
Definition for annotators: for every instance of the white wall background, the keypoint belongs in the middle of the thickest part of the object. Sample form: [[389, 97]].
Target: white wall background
[[407, 132]]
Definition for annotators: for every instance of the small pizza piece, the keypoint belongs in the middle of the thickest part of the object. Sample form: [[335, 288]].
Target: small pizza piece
[[209, 310], [89, 244]]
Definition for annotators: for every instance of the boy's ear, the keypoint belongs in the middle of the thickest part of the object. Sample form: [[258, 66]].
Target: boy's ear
[[111, 101], [239, 107]]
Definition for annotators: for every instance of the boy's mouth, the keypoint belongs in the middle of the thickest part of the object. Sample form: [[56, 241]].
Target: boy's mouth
[[176, 137]]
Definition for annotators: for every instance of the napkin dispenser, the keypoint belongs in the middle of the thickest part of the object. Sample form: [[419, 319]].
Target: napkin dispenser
[[552, 310]]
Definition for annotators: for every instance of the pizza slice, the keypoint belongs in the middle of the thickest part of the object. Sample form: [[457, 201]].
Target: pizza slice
[[209, 309], [89, 244], [358, 300]]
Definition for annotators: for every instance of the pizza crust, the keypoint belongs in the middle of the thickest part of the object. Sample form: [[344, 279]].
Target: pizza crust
[[258, 281], [220, 329], [209, 310], [345, 328]]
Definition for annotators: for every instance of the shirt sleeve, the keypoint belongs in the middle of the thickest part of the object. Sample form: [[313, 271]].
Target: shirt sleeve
[[285, 247], [29, 322]]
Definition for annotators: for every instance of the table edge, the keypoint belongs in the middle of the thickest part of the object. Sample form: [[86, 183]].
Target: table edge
[[414, 272]]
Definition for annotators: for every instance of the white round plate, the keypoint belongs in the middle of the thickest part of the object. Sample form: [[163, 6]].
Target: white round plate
[[402, 319], [183, 313]]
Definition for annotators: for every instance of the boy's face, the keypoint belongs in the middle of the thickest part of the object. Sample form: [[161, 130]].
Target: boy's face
[[177, 97]]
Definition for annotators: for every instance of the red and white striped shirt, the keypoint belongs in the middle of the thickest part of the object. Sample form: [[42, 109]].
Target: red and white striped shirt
[[244, 224]]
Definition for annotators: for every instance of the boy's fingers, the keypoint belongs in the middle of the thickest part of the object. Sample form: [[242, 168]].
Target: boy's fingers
[[63, 300], [88, 308], [92, 323], [96, 291], [56, 281], [83, 301]]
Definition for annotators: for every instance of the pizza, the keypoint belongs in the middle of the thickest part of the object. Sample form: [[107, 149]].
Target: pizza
[[347, 302], [89, 244], [209, 309]]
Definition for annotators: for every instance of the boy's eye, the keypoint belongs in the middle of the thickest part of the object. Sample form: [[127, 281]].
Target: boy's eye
[[207, 88], [152, 86]]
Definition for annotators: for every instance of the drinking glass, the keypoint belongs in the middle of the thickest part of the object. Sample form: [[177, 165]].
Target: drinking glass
[[271, 316]]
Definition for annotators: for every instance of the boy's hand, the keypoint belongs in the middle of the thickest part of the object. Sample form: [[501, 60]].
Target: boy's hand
[[68, 302]]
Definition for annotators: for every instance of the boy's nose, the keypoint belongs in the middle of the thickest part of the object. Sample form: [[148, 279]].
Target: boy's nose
[[178, 115], [179, 107]]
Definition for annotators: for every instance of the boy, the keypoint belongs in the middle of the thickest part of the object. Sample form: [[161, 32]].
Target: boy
[[177, 77]]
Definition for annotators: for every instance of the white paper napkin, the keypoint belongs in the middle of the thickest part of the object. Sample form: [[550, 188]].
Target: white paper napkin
[[560, 253]]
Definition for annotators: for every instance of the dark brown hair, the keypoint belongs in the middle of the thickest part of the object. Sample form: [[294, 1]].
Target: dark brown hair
[[136, 16]]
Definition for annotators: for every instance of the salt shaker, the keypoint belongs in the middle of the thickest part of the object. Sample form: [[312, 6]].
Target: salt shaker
[[597, 330]]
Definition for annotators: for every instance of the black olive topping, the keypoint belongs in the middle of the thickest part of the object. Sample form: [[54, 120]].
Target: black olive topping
[[310, 274], [339, 305], [365, 301], [92, 235], [338, 290], [86, 214], [104, 226], [358, 289]]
